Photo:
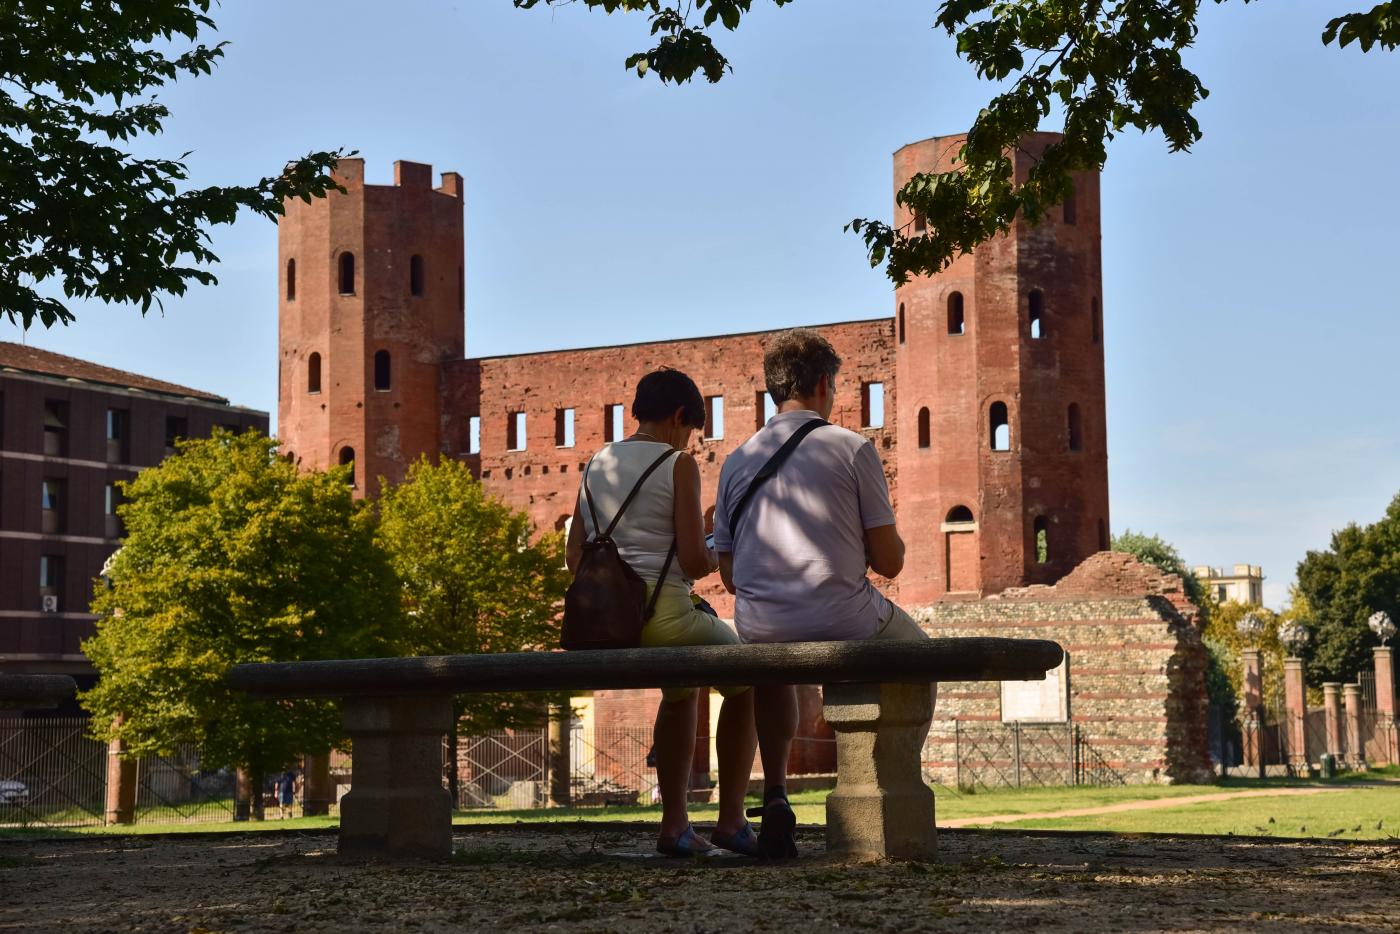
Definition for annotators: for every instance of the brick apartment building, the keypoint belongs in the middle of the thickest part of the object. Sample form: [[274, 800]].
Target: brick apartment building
[[70, 430]]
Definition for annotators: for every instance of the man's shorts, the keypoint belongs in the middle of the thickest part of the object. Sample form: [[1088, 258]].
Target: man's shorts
[[899, 626], [678, 621]]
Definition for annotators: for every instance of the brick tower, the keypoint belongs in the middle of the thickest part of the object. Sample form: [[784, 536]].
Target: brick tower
[[1002, 452], [371, 304]]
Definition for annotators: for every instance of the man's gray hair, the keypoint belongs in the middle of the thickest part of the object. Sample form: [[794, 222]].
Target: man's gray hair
[[795, 363]]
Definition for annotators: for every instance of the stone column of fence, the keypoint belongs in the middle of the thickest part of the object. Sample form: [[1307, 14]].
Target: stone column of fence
[[1351, 701], [1296, 701], [316, 792], [121, 785], [1385, 702], [1332, 708], [1252, 703]]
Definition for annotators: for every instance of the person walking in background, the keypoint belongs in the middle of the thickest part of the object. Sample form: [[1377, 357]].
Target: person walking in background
[[286, 793], [803, 511], [661, 536]]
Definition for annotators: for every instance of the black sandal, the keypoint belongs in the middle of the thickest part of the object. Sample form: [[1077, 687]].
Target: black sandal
[[777, 834]]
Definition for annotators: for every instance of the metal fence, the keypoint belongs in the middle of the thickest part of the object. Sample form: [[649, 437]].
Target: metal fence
[[981, 755], [51, 773]]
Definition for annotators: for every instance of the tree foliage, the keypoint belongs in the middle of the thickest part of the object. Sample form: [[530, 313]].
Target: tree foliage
[[1342, 586], [1108, 67], [232, 556], [471, 579], [79, 213], [1225, 639], [1151, 549]]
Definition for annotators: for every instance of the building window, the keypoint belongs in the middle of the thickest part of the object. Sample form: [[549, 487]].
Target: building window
[[1042, 540], [920, 222], [175, 429], [1037, 314], [313, 373], [901, 322], [347, 459], [999, 427], [515, 431], [960, 551], [291, 280], [612, 422], [118, 436], [960, 515], [55, 499], [872, 405], [415, 275], [382, 374], [55, 429], [1076, 428], [461, 290], [957, 321], [925, 429], [1103, 535], [563, 428], [51, 583], [110, 499], [1069, 208], [1095, 320], [764, 408], [474, 435], [347, 273], [1222, 593], [714, 417]]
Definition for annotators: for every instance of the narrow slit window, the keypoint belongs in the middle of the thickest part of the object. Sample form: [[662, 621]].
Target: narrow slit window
[[1095, 320], [347, 459], [1037, 314], [563, 428], [415, 275], [925, 429], [383, 375], [872, 405], [999, 427], [55, 497], [118, 436], [957, 321], [313, 373], [347, 273], [920, 222], [1075, 428], [175, 429], [901, 322], [461, 290], [612, 422], [51, 583], [714, 417], [474, 434], [515, 431], [1042, 540], [291, 280], [55, 429]]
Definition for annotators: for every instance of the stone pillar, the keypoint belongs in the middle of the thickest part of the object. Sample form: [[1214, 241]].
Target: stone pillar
[[121, 785], [881, 806], [1332, 707], [317, 796], [396, 806], [1356, 750], [1252, 708], [1296, 702], [1385, 702], [561, 762]]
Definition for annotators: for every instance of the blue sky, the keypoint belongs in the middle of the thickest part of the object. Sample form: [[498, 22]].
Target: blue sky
[[1250, 301]]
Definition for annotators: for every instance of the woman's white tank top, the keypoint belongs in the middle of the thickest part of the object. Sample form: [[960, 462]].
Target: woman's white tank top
[[648, 527]]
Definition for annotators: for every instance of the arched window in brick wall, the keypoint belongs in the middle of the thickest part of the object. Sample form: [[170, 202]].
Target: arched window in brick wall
[[313, 373], [901, 322], [291, 280], [415, 275], [1095, 319], [347, 273], [382, 372], [1041, 528], [347, 456], [1037, 314], [957, 320], [1075, 428], [999, 427], [925, 429]]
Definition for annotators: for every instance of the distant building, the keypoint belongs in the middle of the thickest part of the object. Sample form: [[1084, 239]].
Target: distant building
[[1244, 585], [69, 431]]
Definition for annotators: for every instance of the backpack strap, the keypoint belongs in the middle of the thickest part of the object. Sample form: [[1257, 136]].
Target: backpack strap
[[656, 591], [766, 472], [588, 496]]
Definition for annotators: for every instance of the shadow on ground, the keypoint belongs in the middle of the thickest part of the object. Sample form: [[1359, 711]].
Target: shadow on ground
[[597, 879]]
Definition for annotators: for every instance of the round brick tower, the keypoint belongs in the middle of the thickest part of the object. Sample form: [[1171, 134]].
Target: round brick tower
[[1002, 451], [371, 304]]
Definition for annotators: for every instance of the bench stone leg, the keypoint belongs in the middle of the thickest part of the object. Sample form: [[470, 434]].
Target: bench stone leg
[[396, 806], [881, 806]]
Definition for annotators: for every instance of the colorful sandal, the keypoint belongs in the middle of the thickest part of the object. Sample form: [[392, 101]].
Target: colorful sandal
[[742, 841], [689, 843]]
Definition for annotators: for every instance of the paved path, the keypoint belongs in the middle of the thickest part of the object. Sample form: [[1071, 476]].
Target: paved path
[[1145, 805]]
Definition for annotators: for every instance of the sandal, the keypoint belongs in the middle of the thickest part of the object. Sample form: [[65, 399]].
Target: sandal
[[742, 841], [689, 843], [777, 834]]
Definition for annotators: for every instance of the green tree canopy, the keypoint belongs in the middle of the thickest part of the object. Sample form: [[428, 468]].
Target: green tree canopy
[[1343, 585], [232, 556], [1107, 67], [80, 215], [472, 581], [1151, 549]]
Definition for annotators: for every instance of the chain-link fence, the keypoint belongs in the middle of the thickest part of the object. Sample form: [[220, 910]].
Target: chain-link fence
[[981, 755], [52, 773]]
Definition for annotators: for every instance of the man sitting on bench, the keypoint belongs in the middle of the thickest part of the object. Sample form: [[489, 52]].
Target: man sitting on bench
[[803, 509]]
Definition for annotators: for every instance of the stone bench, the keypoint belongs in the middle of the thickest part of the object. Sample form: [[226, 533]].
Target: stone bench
[[35, 692], [396, 711]]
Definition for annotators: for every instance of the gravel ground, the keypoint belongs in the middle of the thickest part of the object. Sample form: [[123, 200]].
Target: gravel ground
[[604, 879]]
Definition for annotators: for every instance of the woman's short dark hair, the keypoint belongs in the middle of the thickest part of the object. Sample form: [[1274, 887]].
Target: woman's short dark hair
[[660, 393], [796, 361]]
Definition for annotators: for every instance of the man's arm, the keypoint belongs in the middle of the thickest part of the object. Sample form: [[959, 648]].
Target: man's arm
[[885, 550], [573, 548]]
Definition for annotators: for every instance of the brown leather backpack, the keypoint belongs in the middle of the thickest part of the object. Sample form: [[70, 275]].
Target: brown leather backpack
[[606, 606]]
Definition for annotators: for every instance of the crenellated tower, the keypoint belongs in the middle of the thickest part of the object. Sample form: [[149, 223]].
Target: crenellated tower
[[1002, 450], [372, 302]]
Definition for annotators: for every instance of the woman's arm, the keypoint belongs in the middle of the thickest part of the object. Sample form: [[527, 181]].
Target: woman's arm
[[695, 559], [573, 548]]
